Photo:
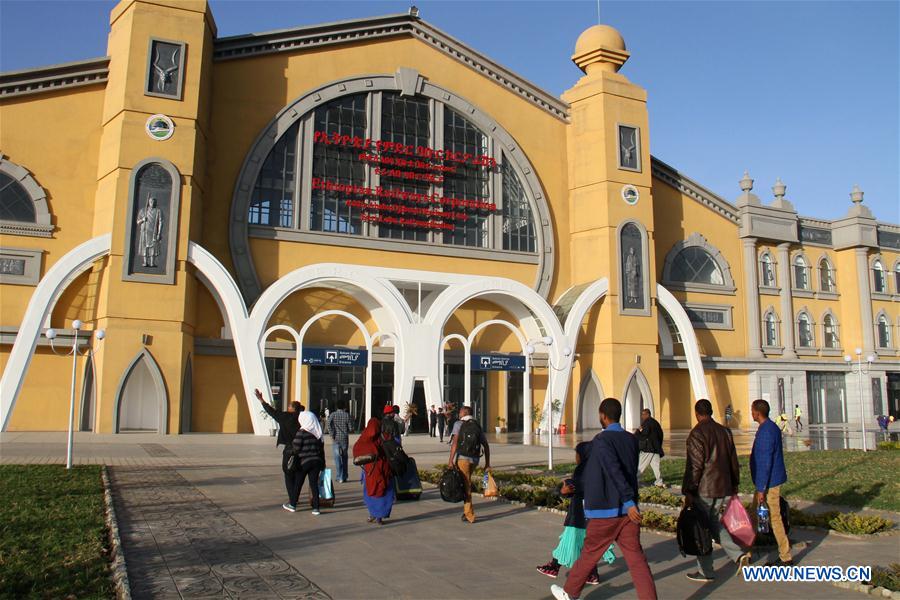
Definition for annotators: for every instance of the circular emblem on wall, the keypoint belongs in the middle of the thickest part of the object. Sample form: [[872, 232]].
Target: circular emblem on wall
[[630, 194], [160, 127]]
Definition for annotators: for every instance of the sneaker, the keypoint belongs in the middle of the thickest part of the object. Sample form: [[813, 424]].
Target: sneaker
[[289, 507], [698, 576], [593, 579], [743, 561], [559, 593], [549, 570], [316, 513]]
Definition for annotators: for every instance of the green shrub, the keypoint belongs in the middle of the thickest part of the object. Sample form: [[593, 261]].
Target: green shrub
[[887, 577], [655, 495], [859, 524], [805, 519], [889, 445], [661, 521]]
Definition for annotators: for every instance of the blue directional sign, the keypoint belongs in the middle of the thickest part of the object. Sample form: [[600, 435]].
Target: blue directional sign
[[337, 357], [498, 362]]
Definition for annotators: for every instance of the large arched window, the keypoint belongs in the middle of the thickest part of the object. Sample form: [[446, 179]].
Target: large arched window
[[883, 330], [695, 264], [766, 270], [879, 278], [830, 338], [826, 276], [23, 203], [804, 330], [386, 165]]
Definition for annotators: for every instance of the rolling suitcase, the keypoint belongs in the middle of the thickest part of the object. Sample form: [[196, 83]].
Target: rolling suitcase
[[408, 486]]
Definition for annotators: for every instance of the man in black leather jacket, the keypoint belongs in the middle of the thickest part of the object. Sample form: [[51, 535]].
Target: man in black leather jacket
[[287, 429], [650, 440]]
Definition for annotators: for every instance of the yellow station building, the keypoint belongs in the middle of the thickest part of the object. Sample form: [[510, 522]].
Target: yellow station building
[[371, 210]]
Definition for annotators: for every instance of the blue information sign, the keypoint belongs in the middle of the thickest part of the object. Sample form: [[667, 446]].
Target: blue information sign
[[498, 362], [337, 357]]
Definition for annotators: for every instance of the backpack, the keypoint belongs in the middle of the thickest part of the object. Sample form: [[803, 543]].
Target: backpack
[[469, 439], [693, 532], [396, 456], [453, 486]]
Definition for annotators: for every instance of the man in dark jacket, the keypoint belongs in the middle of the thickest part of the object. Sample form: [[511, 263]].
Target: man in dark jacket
[[432, 421], [287, 429], [711, 474], [650, 440], [610, 497], [768, 473]]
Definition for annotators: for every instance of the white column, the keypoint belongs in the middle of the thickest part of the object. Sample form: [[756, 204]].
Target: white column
[[787, 305], [751, 294], [865, 301]]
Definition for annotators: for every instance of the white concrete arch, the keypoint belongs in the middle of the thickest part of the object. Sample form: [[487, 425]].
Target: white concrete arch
[[631, 406], [46, 294], [262, 348], [526, 377], [672, 306]]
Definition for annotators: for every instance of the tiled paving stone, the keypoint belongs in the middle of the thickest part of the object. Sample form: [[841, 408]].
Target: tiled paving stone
[[179, 544]]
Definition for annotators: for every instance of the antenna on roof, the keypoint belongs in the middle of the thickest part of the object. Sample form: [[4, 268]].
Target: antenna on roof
[[598, 12], [414, 11]]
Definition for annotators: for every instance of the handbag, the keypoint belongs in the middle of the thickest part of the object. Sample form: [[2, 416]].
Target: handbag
[[364, 459], [491, 490], [326, 490], [293, 463], [737, 522]]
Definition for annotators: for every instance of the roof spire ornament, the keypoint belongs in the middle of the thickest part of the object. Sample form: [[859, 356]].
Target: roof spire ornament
[[856, 195], [779, 189], [747, 197], [746, 183]]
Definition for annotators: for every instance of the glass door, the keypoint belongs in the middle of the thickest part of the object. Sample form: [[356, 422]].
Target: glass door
[[515, 418]]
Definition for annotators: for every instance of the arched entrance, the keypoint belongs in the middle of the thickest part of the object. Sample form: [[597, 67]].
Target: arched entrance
[[637, 396], [141, 400], [589, 397]]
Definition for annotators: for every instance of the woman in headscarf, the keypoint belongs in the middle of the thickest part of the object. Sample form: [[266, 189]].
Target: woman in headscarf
[[572, 539], [378, 488], [309, 450]]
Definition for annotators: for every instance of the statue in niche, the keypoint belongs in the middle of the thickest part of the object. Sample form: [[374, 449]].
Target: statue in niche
[[628, 157], [632, 279], [150, 225], [165, 74]]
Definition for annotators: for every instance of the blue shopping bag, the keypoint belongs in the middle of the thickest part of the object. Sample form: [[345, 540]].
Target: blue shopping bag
[[326, 489]]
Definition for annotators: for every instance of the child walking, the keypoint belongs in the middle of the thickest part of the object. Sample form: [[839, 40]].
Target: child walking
[[572, 539]]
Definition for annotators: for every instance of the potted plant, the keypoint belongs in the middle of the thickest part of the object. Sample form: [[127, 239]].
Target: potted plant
[[537, 415], [555, 409], [501, 425]]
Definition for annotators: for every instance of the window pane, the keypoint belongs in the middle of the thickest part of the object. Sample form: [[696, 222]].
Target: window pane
[[338, 164], [15, 203], [518, 223], [826, 279], [880, 279], [273, 196], [405, 120], [695, 265], [884, 333], [771, 330], [469, 182]]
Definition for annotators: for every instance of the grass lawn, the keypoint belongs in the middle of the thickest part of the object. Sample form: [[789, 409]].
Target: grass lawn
[[842, 477], [52, 533]]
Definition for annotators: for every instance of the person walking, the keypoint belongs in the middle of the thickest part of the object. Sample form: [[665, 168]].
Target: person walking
[[650, 440], [309, 450], [340, 425], [392, 424], [467, 445], [768, 473], [378, 489], [711, 475], [287, 429], [432, 421], [574, 529], [441, 419], [610, 505], [797, 414], [729, 415]]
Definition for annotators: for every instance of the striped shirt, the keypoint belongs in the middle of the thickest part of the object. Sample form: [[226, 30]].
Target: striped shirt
[[340, 424]]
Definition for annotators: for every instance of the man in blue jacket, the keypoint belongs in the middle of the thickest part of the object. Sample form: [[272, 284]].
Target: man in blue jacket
[[768, 473], [610, 496]]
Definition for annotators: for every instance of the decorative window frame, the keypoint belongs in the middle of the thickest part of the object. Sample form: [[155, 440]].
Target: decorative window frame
[[796, 290], [645, 258], [408, 82], [174, 221], [838, 349], [886, 294], [882, 314], [895, 275], [182, 58], [725, 309], [32, 265], [696, 240], [42, 225], [778, 348], [637, 147], [812, 348], [774, 289], [823, 293]]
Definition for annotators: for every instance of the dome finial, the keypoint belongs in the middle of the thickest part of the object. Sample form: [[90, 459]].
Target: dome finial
[[856, 195], [600, 48], [779, 188], [746, 183]]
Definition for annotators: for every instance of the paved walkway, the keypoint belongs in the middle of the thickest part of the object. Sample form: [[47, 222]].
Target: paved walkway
[[201, 515]]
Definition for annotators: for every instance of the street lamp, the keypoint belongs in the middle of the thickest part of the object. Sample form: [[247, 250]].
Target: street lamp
[[860, 370], [51, 335], [548, 408]]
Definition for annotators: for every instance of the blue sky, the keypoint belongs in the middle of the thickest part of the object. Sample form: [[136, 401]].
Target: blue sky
[[807, 91]]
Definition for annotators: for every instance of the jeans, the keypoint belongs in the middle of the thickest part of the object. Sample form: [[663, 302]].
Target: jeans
[[310, 471], [627, 536], [650, 459], [717, 532], [340, 461]]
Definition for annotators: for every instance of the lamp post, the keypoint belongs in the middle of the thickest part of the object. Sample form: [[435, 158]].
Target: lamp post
[[548, 407], [860, 370], [51, 335]]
